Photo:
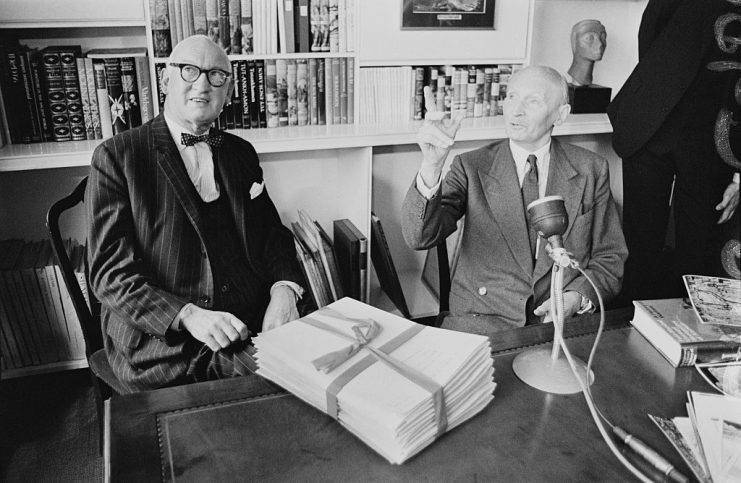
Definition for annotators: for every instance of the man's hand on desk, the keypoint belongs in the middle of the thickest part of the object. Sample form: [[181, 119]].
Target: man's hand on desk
[[571, 305], [215, 329], [281, 309]]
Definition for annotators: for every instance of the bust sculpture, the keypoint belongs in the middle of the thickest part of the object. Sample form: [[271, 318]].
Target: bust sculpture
[[588, 43]]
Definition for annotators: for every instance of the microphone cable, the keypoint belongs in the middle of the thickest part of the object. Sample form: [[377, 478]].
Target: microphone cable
[[651, 456]]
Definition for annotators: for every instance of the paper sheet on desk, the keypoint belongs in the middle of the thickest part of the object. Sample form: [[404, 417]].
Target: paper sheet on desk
[[381, 406], [715, 417]]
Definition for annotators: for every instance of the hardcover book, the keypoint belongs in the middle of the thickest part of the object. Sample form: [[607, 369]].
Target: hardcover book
[[247, 31], [55, 95], [104, 105], [160, 19], [385, 268], [673, 328], [351, 249]]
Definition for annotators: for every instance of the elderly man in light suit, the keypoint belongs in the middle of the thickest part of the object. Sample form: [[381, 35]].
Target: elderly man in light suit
[[187, 252], [502, 279]]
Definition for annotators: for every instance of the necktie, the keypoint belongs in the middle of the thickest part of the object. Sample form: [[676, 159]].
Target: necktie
[[529, 194], [214, 140]]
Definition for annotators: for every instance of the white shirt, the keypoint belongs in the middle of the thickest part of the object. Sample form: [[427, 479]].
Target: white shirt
[[198, 161]]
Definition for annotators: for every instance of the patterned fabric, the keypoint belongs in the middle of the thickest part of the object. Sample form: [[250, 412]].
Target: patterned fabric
[[530, 194], [215, 140]]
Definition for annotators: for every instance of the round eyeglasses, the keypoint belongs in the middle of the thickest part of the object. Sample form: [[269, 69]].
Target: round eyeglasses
[[191, 73]]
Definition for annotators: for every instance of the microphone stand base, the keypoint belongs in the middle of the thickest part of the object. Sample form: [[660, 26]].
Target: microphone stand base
[[538, 369]]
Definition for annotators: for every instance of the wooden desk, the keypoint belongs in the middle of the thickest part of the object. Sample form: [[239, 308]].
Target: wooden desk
[[247, 430]]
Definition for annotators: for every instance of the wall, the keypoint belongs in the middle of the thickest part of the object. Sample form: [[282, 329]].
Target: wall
[[551, 40]]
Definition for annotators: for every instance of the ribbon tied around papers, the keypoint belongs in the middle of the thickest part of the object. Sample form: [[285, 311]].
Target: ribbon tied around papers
[[365, 330]]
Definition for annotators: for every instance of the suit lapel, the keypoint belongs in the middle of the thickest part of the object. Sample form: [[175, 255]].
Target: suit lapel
[[502, 190], [171, 164], [563, 180]]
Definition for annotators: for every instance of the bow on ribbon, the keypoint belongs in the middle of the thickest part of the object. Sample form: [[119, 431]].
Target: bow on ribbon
[[364, 330], [214, 140]]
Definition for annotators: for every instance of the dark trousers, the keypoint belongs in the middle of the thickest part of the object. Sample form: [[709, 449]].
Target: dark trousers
[[651, 271]]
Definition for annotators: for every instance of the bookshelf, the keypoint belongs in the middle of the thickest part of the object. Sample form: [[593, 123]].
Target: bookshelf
[[331, 171]]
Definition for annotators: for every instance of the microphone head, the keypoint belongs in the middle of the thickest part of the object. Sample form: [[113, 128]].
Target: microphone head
[[548, 216]]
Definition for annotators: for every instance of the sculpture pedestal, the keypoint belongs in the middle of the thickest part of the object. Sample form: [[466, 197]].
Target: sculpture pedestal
[[589, 99]]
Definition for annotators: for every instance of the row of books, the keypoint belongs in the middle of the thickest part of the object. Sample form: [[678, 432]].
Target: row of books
[[57, 94], [396, 94], [255, 26], [333, 267], [38, 323], [288, 92]]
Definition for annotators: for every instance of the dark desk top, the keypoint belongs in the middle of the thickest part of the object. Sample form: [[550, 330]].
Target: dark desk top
[[245, 429]]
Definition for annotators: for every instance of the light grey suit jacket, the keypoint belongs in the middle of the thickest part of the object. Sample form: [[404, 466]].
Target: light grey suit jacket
[[495, 274]]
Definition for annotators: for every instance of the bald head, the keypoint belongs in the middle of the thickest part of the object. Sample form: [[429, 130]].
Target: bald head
[[559, 89], [197, 83]]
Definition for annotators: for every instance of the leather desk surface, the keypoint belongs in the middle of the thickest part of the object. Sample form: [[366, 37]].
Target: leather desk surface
[[244, 429]]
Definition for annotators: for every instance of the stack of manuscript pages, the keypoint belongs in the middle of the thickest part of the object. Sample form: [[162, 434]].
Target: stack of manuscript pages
[[395, 384]]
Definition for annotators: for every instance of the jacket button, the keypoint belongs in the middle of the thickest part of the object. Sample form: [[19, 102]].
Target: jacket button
[[204, 299], [224, 288], [482, 290]]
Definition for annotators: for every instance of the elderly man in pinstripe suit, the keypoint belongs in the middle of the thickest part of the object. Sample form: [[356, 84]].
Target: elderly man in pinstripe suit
[[188, 255]]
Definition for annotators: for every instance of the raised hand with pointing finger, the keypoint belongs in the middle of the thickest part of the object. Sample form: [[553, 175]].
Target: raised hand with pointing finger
[[435, 139]]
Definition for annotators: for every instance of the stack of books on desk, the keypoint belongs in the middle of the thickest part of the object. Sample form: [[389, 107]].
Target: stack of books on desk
[[709, 438], [394, 384]]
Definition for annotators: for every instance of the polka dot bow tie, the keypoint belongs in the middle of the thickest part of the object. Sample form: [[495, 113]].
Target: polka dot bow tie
[[213, 140]]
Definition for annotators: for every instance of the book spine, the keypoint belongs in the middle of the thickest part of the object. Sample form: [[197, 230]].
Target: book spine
[[292, 81], [252, 93], [302, 92], [350, 25], [12, 322], [144, 89], [329, 91], [224, 38], [29, 95], [212, 18], [272, 95], [64, 325], [244, 91], [236, 106], [159, 70], [324, 25], [351, 90], [200, 23], [262, 92], [104, 104], [187, 16], [321, 89], [58, 335], [336, 92], [333, 26], [71, 80], [281, 79], [495, 90], [235, 26], [55, 95], [31, 335], [488, 76], [93, 98], [176, 21], [341, 26], [85, 99], [115, 94], [130, 91], [316, 29], [478, 106], [37, 80], [245, 25], [419, 77], [302, 25], [160, 21], [46, 345], [313, 93], [342, 71], [470, 91]]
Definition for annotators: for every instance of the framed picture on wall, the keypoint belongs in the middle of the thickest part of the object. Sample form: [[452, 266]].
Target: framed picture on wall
[[447, 14]]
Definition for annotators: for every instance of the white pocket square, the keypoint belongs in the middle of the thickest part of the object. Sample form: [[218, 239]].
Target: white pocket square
[[256, 189]]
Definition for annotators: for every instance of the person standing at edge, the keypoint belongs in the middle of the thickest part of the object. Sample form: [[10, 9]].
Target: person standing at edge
[[663, 120], [502, 278], [187, 252]]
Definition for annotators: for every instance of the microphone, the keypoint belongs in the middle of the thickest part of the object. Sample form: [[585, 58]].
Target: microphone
[[548, 217]]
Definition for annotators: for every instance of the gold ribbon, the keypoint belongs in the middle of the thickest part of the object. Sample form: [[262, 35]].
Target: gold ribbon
[[365, 330]]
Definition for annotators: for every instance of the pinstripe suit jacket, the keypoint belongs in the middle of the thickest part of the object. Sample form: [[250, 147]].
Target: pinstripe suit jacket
[[146, 245], [495, 273]]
